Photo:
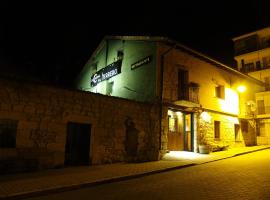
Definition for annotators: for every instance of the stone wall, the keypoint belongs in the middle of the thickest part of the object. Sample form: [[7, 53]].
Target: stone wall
[[263, 138], [227, 131], [43, 112]]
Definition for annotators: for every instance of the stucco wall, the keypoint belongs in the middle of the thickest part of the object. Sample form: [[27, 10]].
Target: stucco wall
[[137, 84], [49, 109]]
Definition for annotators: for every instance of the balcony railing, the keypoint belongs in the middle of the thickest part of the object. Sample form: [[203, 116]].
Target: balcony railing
[[191, 93]]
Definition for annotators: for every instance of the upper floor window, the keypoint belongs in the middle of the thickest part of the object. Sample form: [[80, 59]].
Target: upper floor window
[[109, 88], [183, 88], [249, 67], [220, 92], [120, 55], [266, 62], [94, 67], [8, 129], [260, 107]]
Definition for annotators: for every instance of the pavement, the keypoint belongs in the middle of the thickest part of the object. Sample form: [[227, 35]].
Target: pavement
[[26, 185]]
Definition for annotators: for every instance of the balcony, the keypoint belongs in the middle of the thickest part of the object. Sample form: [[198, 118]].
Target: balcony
[[189, 93]]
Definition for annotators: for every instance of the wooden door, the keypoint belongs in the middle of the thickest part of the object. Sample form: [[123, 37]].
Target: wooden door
[[175, 134]]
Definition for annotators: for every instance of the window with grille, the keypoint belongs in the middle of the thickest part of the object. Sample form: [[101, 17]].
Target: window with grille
[[8, 130]]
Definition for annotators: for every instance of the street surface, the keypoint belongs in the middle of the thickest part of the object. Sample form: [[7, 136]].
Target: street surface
[[244, 177]]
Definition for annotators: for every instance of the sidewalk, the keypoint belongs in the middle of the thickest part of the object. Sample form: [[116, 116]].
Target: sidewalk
[[24, 185]]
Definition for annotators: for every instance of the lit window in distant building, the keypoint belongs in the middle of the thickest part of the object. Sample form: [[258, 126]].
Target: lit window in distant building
[[8, 129], [217, 129], [220, 92]]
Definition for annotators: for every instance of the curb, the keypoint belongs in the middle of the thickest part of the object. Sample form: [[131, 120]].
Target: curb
[[239, 154], [96, 183], [113, 180]]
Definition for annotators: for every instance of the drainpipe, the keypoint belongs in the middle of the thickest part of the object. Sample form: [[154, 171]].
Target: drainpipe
[[161, 88]]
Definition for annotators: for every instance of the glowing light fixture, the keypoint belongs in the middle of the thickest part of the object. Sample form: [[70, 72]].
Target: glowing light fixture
[[241, 88], [206, 117]]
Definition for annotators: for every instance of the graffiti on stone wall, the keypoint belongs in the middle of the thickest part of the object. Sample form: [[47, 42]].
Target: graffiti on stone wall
[[41, 138]]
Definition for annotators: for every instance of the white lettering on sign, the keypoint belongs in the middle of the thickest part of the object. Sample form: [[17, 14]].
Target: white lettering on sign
[[141, 62], [111, 70]]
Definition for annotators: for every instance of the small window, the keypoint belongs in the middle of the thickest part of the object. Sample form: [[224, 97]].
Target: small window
[[217, 129], [8, 129], [94, 66], [120, 55], [220, 92], [109, 88], [173, 124]]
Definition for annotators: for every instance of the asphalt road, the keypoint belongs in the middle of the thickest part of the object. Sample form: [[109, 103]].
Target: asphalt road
[[244, 177]]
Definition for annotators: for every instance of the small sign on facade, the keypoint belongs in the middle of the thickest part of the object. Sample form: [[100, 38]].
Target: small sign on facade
[[141, 62]]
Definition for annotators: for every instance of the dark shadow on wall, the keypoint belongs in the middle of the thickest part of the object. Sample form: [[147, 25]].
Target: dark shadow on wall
[[131, 141]]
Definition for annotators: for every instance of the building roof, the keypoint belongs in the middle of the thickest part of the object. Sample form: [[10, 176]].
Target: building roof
[[266, 29], [182, 47]]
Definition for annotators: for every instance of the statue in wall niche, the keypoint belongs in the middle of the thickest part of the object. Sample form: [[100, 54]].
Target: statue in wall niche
[[131, 141]]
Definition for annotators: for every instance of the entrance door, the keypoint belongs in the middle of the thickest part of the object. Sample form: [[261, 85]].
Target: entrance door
[[77, 144], [175, 133], [180, 134], [188, 136]]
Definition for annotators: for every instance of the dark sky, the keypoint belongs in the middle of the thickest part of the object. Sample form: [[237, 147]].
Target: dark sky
[[54, 41]]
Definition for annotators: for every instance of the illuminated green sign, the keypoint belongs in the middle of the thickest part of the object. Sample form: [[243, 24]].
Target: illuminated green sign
[[107, 72], [141, 62]]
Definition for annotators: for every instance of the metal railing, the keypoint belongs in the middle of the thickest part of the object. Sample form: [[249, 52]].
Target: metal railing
[[191, 94]]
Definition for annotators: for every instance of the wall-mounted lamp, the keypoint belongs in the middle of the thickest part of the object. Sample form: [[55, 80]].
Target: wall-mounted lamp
[[241, 88]]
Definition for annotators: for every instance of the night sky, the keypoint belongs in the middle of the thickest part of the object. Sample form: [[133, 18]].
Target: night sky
[[53, 42]]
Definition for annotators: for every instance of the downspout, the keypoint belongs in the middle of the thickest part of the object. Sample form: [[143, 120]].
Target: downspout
[[161, 89], [107, 50]]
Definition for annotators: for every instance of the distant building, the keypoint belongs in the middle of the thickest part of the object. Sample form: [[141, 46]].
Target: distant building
[[252, 53], [194, 91]]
